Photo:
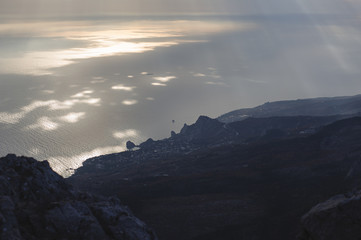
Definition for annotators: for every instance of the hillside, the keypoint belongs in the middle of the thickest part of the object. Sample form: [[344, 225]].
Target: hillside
[[257, 189], [302, 107]]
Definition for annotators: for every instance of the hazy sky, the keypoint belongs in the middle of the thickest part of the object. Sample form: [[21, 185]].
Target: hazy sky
[[41, 8]]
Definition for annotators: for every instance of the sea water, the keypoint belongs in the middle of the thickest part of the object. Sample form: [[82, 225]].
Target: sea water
[[71, 89]]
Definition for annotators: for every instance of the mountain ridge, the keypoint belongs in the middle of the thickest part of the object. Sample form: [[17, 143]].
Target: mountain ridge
[[247, 181], [323, 106], [226, 180]]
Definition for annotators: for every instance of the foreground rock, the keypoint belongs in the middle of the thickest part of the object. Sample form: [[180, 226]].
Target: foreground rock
[[337, 218], [36, 203]]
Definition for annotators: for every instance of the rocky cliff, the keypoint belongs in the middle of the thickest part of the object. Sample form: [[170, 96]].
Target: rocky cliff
[[36, 203], [334, 219]]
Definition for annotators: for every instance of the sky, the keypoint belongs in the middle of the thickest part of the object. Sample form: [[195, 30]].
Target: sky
[[46, 8]]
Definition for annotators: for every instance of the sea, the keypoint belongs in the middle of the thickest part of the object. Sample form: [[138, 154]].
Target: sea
[[80, 87]]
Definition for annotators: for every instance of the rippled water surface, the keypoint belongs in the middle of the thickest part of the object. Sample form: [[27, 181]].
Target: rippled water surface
[[70, 90]]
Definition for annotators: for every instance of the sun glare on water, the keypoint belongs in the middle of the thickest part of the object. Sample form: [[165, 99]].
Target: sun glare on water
[[118, 39]]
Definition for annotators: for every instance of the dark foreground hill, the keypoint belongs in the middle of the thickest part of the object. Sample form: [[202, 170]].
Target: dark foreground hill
[[233, 189], [36, 203]]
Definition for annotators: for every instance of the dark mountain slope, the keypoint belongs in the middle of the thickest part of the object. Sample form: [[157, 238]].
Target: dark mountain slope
[[280, 127], [232, 191], [302, 107]]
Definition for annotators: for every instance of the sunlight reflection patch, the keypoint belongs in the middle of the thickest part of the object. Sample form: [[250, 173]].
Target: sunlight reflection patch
[[65, 165], [125, 134], [124, 88], [107, 39], [159, 84], [129, 102], [83, 94], [164, 79], [73, 117], [53, 105], [44, 123]]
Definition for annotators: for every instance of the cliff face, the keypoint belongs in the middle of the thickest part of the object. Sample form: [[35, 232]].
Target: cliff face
[[334, 219], [36, 203]]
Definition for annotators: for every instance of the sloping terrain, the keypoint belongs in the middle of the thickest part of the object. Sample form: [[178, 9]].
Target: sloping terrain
[[302, 107], [235, 190]]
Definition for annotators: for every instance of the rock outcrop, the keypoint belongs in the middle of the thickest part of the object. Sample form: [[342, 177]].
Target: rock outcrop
[[206, 131], [337, 218], [36, 203]]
